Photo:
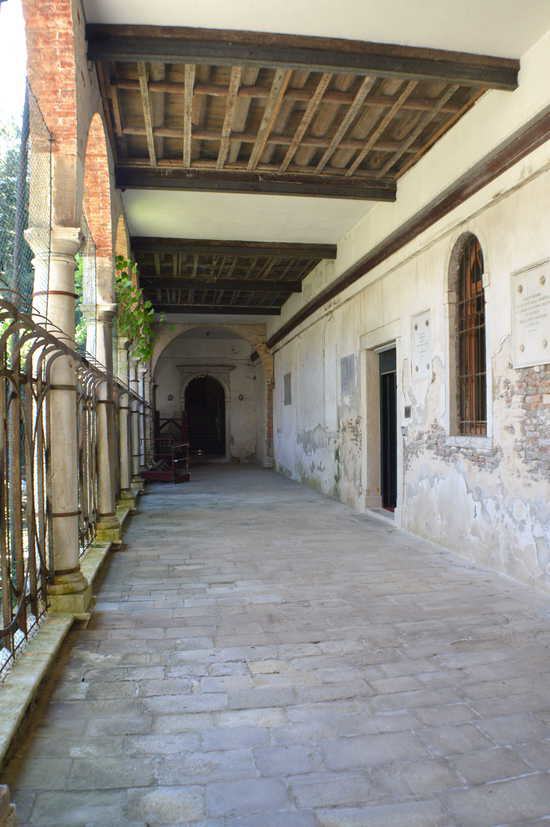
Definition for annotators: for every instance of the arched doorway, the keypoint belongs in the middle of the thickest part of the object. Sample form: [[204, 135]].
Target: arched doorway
[[205, 416]]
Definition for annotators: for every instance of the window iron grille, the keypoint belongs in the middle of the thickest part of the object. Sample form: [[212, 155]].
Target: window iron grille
[[471, 350]]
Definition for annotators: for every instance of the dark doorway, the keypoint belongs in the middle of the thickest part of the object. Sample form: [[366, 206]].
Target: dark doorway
[[205, 415], [388, 428]]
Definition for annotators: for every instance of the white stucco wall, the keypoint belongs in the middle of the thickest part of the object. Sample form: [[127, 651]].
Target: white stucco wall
[[243, 382], [489, 499]]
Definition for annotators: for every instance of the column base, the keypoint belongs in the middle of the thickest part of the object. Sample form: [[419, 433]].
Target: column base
[[70, 594], [108, 530], [138, 483], [268, 462], [127, 499]]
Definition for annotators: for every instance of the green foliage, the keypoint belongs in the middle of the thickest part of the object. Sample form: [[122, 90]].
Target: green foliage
[[80, 319], [9, 166], [135, 314]]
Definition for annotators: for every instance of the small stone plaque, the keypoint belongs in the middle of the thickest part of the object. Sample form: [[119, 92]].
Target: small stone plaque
[[421, 336], [531, 316]]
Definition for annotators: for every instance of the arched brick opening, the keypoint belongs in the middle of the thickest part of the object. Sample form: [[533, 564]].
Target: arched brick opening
[[122, 244], [97, 207], [97, 188], [51, 71]]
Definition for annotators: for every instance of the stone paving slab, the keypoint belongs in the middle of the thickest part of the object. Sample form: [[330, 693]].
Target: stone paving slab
[[261, 656]]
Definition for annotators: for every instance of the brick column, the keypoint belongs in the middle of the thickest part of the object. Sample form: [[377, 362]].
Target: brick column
[[267, 364], [69, 590]]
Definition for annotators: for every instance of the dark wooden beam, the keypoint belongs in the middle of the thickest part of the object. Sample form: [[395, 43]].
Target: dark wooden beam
[[229, 310], [307, 185], [206, 246], [314, 54], [525, 140], [169, 282]]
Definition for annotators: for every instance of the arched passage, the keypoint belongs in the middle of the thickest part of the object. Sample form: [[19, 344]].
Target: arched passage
[[205, 416], [52, 75], [222, 352]]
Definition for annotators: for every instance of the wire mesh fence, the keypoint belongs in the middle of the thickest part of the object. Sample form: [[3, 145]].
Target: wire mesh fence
[[25, 208], [86, 292]]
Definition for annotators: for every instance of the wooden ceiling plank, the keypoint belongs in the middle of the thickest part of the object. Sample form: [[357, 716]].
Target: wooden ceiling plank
[[215, 46], [307, 117], [419, 128], [189, 74], [383, 123], [281, 80], [358, 101], [147, 112], [231, 102]]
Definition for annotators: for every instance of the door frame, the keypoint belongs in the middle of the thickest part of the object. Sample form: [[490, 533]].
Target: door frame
[[386, 337], [222, 374]]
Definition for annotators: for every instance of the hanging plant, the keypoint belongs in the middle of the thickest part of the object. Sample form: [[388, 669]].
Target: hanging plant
[[135, 314]]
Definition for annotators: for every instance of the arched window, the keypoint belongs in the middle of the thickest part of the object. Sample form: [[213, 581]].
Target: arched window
[[469, 335]]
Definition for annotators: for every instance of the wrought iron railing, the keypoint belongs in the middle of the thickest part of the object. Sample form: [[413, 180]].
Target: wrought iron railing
[[27, 353]]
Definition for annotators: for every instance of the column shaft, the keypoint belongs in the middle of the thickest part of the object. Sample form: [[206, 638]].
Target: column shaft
[[69, 590]]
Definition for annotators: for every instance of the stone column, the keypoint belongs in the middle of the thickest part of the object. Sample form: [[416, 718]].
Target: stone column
[[108, 525], [142, 381], [148, 420], [89, 313], [134, 422], [69, 591], [127, 498]]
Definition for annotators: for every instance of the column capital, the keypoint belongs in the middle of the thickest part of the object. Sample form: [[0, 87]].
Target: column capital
[[106, 311], [61, 241]]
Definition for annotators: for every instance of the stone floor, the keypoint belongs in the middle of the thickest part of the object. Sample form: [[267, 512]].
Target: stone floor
[[263, 657]]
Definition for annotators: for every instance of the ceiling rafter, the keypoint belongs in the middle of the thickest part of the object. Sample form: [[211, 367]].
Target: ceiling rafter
[[307, 118], [147, 114], [423, 122], [347, 120], [231, 103], [281, 80], [188, 113], [382, 125]]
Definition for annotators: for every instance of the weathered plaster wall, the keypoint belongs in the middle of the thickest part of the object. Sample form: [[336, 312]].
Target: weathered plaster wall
[[244, 386], [488, 498]]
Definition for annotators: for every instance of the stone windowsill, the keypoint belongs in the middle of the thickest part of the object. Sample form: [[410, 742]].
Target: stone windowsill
[[478, 443]]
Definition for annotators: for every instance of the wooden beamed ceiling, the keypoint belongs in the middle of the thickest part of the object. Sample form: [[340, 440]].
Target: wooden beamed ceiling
[[198, 276], [214, 110]]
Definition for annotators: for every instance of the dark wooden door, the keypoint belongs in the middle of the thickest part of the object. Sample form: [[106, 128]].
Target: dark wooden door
[[388, 428], [205, 415]]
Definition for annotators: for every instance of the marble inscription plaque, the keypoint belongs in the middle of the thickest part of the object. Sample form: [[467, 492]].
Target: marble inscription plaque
[[421, 336], [531, 316]]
